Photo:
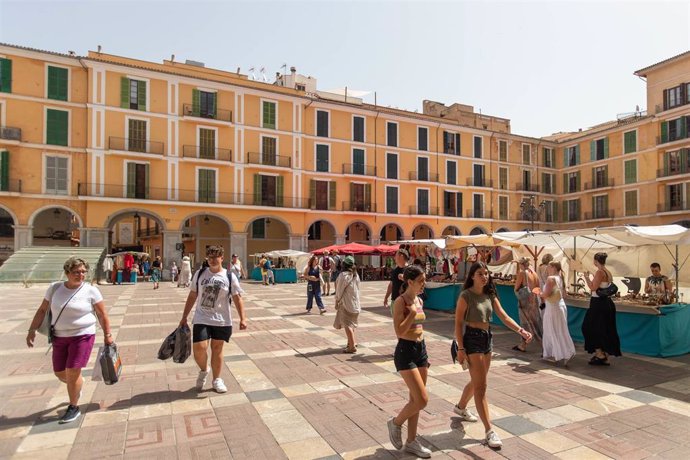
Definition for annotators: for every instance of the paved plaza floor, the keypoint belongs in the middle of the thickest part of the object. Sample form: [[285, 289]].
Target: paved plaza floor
[[292, 393]]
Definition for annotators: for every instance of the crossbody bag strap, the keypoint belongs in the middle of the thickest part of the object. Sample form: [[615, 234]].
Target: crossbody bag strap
[[348, 285], [68, 300]]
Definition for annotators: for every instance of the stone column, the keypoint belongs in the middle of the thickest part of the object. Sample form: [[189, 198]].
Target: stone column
[[375, 260], [23, 236], [93, 237], [238, 245], [340, 239], [170, 239], [298, 242]]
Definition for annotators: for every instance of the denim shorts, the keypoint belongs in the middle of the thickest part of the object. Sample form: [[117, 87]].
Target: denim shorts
[[476, 340], [410, 354]]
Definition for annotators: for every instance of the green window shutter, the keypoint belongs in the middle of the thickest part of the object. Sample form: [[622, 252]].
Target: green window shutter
[[594, 207], [684, 162], [5, 75], [312, 194], [56, 127], [279, 191], [196, 102], [577, 185], [577, 154], [57, 83], [331, 194], [565, 157], [683, 127], [214, 105], [203, 186], [664, 131], [592, 150], [146, 181], [141, 96], [4, 170], [630, 142], [124, 92], [565, 183], [606, 147], [352, 194], [367, 197], [211, 181], [269, 116], [665, 164], [257, 189], [131, 179], [565, 211], [631, 172]]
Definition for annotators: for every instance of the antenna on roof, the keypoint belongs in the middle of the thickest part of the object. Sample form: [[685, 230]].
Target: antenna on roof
[[172, 58], [99, 49], [262, 72], [251, 73], [71, 53], [284, 67]]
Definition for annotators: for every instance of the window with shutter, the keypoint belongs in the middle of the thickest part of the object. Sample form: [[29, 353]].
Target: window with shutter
[[322, 123], [631, 203], [269, 115], [503, 178], [137, 136], [391, 134], [526, 154], [503, 207], [391, 200], [208, 106], [477, 146], [478, 205], [548, 157], [478, 175], [57, 125], [422, 138], [502, 151], [322, 158], [5, 75], [56, 175], [391, 166], [57, 83], [451, 172], [358, 161], [269, 154], [4, 170], [358, 129], [422, 202], [423, 168], [630, 171], [630, 142], [207, 143], [207, 186]]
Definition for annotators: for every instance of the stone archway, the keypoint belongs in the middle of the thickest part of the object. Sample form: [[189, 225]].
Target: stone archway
[[391, 232], [321, 233], [202, 229], [55, 225], [267, 234], [422, 232], [136, 230], [451, 230], [7, 222], [478, 231], [358, 232], [502, 230]]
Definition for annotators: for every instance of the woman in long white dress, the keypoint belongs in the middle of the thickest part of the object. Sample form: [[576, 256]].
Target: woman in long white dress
[[557, 343]]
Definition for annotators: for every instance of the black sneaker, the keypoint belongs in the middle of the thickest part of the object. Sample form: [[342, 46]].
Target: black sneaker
[[71, 414]]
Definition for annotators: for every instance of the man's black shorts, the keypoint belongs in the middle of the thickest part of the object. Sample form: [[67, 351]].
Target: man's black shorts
[[203, 332]]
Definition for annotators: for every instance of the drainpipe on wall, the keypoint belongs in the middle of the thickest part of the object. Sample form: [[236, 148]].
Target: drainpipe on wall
[[86, 150], [491, 177], [376, 120]]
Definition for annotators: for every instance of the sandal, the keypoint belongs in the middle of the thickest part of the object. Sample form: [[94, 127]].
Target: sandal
[[350, 350], [596, 361], [517, 348]]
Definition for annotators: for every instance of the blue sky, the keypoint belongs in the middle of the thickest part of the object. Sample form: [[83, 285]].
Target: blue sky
[[548, 66]]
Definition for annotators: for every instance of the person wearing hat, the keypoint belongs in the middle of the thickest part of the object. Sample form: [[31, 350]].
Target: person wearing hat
[[237, 268], [347, 306]]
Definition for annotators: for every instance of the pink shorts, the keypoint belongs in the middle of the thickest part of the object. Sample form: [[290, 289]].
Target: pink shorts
[[72, 352]]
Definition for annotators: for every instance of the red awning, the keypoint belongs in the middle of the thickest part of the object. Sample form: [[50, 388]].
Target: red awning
[[330, 248], [387, 249], [356, 249]]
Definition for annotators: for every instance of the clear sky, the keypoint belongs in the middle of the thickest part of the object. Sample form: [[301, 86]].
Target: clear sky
[[548, 66]]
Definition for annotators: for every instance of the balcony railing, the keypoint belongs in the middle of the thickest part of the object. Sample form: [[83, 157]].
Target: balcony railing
[[190, 196], [10, 134], [423, 176], [669, 172], [188, 110], [322, 166], [669, 138], [605, 182], [672, 207], [479, 182], [522, 187], [359, 169], [478, 214], [448, 212], [359, 206], [206, 153], [320, 205], [571, 218], [549, 189], [269, 159], [600, 214], [424, 210], [12, 185], [136, 145]]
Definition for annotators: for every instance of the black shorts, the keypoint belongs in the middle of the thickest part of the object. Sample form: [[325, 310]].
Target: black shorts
[[410, 354], [476, 340], [203, 332]]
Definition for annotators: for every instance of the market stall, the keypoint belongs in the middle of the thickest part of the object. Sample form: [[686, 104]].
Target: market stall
[[287, 263]]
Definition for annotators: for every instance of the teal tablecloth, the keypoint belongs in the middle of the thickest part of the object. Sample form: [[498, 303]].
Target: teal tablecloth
[[256, 274], [665, 335], [281, 275]]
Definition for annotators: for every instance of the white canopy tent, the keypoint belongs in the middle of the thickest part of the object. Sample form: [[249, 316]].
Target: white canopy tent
[[300, 258]]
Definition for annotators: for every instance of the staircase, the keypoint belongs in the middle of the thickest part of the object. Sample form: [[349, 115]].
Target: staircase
[[35, 264]]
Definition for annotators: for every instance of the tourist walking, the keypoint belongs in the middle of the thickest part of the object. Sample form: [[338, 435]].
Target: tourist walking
[[401, 257], [599, 324], [337, 265], [327, 267], [528, 302], [107, 267], [313, 276], [556, 343], [410, 360], [211, 291], [347, 306], [156, 272], [75, 306], [145, 268], [185, 272], [173, 272], [477, 302], [237, 268], [543, 274]]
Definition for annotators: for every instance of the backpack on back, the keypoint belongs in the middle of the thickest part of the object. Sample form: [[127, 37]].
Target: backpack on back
[[204, 267]]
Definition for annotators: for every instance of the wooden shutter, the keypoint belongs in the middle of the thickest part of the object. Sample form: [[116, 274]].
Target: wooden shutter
[[457, 143], [4, 170], [211, 185], [214, 105], [606, 147], [577, 184], [565, 157], [131, 179], [312, 193], [56, 127], [257, 189], [592, 150], [141, 95], [124, 92], [683, 128], [279, 191], [331, 194], [5, 75], [352, 197], [665, 99], [666, 156], [57, 83], [196, 102], [147, 176], [577, 154], [566, 189], [203, 185], [664, 131], [667, 193], [684, 160], [367, 197]]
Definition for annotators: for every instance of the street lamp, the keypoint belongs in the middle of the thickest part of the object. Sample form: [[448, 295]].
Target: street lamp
[[530, 210]]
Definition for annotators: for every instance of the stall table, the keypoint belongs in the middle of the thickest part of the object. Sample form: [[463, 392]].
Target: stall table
[[280, 275], [642, 329]]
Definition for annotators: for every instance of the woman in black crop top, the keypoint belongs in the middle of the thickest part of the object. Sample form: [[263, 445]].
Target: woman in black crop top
[[475, 337]]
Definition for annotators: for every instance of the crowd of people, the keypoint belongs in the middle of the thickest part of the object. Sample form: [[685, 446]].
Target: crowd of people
[[75, 307]]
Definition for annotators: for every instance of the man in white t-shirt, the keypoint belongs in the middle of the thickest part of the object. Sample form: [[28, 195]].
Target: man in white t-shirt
[[211, 289]]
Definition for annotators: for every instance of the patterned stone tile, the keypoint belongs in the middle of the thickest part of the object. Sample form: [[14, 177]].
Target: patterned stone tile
[[196, 426], [150, 433], [518, 425], [263, 395]]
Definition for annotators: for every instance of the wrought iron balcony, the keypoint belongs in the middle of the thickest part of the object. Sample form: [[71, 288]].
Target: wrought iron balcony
[[269, 159], [600, 214], [136, 145], [10, 134], [479, 182], [671, 138], [188, 110], [424, 176], [206, 153], [673, 206], [452, 212], [549, 189], [359, 169], [424, 210], [523, 187], [12, 185], [670, 172], [478, 214], [605, 182], [359, 206], [322, 205]]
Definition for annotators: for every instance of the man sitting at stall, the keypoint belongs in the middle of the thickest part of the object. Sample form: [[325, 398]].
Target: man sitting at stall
[[659, 286]]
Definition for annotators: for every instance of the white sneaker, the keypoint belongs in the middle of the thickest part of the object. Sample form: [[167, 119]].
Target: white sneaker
[[493, 440], [417, 449], [395, 434], [465, 414], [219, 386], [201, 379]]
